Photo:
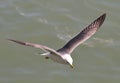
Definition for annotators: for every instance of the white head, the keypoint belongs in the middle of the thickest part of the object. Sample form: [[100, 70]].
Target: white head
[[69, 60]]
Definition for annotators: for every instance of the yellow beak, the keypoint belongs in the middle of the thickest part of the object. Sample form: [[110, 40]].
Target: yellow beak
[[71, 66]]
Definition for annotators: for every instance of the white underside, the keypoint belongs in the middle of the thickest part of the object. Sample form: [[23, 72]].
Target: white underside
[[55, 58]]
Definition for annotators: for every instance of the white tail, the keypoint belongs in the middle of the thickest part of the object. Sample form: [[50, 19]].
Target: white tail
[[47, 53]]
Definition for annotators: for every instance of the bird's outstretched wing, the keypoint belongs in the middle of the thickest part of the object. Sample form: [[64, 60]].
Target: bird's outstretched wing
[[44, 48], [85, 34]]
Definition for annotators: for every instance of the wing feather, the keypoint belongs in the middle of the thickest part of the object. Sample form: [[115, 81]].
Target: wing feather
[[85, 34], [44, 48]]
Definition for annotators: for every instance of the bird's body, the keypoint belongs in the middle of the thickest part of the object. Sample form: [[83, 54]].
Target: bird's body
[[63, 55], [59, 59]]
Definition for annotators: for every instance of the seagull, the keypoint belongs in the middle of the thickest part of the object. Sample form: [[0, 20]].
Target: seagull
[[63, 55]]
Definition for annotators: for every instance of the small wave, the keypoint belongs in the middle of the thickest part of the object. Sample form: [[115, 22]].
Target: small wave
[[105, 41], [63, 35], [95, 4], [43, 20], [96, 40], [19, 11]]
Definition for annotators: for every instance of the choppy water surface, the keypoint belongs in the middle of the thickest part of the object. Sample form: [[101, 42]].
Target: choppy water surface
[[53, 23]]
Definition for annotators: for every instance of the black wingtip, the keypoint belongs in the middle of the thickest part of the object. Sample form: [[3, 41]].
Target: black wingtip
[[16, 41], [100, 19], [103, 16]]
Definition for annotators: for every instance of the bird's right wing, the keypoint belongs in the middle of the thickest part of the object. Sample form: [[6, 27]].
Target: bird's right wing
[[44, 48]]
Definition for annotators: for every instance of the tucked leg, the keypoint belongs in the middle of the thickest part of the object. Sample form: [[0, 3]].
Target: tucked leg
[[46, 57]]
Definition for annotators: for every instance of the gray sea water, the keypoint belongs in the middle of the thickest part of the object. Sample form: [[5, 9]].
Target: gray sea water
[[53, 23]]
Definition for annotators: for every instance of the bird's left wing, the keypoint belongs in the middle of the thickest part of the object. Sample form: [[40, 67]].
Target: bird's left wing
[[85, 34]]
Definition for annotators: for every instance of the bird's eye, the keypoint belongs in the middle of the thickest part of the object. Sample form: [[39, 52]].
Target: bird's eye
[[67, 62]]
